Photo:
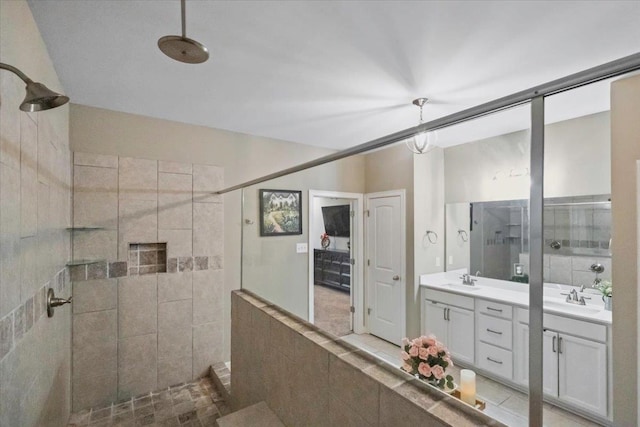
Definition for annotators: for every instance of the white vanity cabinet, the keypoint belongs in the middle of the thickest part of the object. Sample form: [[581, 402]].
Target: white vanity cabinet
[[451, 319], [574, 360], [494, 330]]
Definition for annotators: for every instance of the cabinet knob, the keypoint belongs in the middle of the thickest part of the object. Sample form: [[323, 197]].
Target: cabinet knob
[[396, 277]]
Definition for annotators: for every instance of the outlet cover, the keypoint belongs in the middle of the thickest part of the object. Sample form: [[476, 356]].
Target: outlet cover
[[301, 248]]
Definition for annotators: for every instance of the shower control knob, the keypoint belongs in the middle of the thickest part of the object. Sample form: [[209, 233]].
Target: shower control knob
[[53, 302]]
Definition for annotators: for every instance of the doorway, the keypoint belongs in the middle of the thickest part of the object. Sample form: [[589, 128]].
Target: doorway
[[386, 264], [335, 261]]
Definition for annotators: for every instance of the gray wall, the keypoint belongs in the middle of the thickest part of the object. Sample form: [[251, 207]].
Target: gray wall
[[136, 333], [35, 350]]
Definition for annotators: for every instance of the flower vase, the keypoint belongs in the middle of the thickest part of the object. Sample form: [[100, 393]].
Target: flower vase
[[607, 302]]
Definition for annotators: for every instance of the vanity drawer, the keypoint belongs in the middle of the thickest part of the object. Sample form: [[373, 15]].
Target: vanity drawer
[[495, 331], [494, 309], [495, 360]]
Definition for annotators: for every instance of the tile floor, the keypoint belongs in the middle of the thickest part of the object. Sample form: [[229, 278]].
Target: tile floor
[[505, 404], [196, 404]]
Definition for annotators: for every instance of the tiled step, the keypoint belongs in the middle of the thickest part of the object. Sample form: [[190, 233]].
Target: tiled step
[[220, 374], [258, 415]]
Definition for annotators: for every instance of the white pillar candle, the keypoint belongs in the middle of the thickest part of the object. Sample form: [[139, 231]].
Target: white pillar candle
[[468, 386]]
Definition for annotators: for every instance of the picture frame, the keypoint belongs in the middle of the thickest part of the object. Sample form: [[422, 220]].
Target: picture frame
[[280, 212]]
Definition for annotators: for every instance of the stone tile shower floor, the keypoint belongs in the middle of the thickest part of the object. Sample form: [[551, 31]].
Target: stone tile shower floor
[[196, 404]]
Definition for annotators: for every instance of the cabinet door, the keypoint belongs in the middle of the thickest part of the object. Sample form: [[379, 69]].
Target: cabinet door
[[583, 373], [549, 359], [435, 322], [460, 336]]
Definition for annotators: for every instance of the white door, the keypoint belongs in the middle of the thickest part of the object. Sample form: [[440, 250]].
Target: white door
[[385, 283], [583, 373], [460, 336]]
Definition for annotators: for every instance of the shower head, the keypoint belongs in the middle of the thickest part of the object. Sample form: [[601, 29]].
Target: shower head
[[39, 97], [181, 48]]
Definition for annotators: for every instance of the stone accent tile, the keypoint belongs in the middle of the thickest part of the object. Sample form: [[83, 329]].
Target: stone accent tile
[[97, 271], [138, 179], [95, 197], [207, 347], [10, 231], [118, 269], [174, 287], [28, 315], [19, 323], [208, 291], [172, 265], [28, 177], [137, 305], [208, 229], [78, 272], [95, 295], [216, 262], [138, 224], [6, 335], [174, 167], [185, 264], [179, 242], [137, 365], [201, 263], [95, 244], [174, 201], [99, 160], [206, 180]]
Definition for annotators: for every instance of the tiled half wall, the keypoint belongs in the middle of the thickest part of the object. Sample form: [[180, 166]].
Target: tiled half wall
[[135, 331], [308, 377]]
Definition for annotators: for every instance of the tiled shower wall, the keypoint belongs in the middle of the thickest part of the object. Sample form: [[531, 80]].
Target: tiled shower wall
[[35, 210], [133, 333]]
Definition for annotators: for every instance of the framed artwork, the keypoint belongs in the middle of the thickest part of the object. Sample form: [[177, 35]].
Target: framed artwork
[[280, 212]]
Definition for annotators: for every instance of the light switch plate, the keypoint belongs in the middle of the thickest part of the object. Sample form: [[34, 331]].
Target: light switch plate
[[301, 248]]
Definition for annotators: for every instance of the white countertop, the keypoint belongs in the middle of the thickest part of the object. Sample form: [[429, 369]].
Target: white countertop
[[517, 294]]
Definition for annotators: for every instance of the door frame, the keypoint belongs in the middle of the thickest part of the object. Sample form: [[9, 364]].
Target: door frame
[[357, 253], [403, 252]]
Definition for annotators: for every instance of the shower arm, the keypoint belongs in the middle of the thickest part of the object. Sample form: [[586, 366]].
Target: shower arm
[[17, 72], [184, 18]]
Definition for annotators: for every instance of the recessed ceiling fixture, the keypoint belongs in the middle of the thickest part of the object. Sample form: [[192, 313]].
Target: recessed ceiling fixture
[[39, 97], [422, 142], [181, 48]]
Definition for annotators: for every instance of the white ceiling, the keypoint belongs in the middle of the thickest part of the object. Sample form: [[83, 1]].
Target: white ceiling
[[332, 74]]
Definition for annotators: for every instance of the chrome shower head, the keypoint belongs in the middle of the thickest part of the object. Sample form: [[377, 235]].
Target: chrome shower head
[[38, 97], [181, 48]]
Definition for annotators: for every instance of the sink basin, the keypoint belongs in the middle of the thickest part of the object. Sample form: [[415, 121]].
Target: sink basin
[[459, 287], [566, 307]]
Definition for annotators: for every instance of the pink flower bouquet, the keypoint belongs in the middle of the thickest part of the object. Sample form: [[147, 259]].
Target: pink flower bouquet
[[427, 358]]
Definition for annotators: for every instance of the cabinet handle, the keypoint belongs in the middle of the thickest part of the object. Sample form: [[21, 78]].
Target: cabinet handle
[[560, 345], [494, 361], [499, 310], [553, 344], [494, 332], [446, 314]]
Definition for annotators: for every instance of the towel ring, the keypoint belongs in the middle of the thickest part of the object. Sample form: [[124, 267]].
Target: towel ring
[[463, 235], [431, 236]]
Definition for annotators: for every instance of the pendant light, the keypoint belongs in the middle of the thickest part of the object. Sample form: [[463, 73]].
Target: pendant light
[[424, 141]]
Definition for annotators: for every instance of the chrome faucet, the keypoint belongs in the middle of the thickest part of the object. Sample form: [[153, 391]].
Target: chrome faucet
[[573, 298], [467, 280]]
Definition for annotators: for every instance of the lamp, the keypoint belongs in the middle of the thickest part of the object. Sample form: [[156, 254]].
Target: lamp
[[422, 142], [38, 97]]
